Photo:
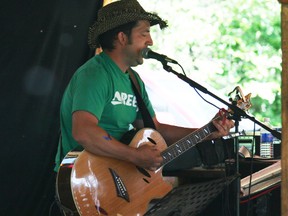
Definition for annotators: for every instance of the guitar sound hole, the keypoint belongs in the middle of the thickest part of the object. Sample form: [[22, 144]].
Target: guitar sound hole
[[151, 140], [146, 180], [143, 171]]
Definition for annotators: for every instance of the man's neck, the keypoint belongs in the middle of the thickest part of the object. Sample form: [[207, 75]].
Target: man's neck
[[118, 59]]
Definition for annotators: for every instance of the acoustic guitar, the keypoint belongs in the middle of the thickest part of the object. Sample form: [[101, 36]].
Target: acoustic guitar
[[89, 185]]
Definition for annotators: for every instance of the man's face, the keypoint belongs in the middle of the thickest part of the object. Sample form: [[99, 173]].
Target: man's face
[[140, 38]]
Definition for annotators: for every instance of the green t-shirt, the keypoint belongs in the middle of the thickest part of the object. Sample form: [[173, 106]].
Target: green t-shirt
[[102, 89]]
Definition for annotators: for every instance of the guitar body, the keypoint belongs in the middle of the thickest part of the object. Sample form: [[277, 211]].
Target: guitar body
[[107, 186]]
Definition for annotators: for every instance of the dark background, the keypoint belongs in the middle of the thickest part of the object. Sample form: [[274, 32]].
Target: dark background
[[42, 43]]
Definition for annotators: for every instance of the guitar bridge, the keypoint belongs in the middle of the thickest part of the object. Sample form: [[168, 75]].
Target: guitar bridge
[[120, 187]]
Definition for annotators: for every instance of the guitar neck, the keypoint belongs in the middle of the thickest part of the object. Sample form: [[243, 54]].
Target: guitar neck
[[186, 143]]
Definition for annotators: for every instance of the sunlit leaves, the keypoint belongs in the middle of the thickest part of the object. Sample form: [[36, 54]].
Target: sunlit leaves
[[226, 43]]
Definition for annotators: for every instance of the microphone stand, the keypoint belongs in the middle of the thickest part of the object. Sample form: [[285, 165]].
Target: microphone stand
[[237, 114]]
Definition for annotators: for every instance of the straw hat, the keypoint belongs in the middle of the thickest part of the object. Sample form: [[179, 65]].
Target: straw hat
[[119, 13]]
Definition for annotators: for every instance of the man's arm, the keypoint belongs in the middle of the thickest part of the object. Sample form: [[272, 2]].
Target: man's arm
[[86, 132]]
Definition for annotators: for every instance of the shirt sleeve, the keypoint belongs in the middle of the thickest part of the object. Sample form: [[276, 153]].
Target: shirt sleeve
[[90, 92]]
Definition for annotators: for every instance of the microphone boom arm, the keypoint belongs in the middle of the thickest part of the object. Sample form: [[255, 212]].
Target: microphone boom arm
[[236, 110]]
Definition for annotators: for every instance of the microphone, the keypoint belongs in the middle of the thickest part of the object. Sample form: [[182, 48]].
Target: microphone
[[148, 53]]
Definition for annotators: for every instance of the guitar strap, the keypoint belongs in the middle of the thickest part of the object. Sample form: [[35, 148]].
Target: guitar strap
[[146, 117]]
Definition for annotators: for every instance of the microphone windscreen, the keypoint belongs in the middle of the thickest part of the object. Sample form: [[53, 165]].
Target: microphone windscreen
[[145, 52]]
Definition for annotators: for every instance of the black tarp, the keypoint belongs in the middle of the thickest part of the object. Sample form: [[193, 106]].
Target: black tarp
[[42, 43]]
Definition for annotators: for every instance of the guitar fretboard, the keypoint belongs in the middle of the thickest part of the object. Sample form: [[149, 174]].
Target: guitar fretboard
[[186, 143]]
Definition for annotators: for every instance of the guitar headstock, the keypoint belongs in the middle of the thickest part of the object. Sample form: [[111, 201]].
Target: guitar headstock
[[240, 100]]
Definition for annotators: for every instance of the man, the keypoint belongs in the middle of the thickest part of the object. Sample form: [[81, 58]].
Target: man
[[99, 105]]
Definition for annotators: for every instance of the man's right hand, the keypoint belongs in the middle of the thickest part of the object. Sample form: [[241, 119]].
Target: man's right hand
[[148, 157]]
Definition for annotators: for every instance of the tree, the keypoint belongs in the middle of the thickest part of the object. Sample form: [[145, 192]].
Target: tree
[[230, 43], [251, 50]]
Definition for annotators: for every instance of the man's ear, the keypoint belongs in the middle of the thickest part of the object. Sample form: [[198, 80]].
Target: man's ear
[[122, 38]]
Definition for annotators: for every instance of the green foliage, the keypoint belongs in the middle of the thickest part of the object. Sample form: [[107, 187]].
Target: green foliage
[[249, 46], [225, 44]]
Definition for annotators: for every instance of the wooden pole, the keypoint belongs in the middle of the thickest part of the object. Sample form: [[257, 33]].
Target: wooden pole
[[284, 143]]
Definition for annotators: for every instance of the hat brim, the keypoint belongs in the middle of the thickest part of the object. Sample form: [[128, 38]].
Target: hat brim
[[102, 26]]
